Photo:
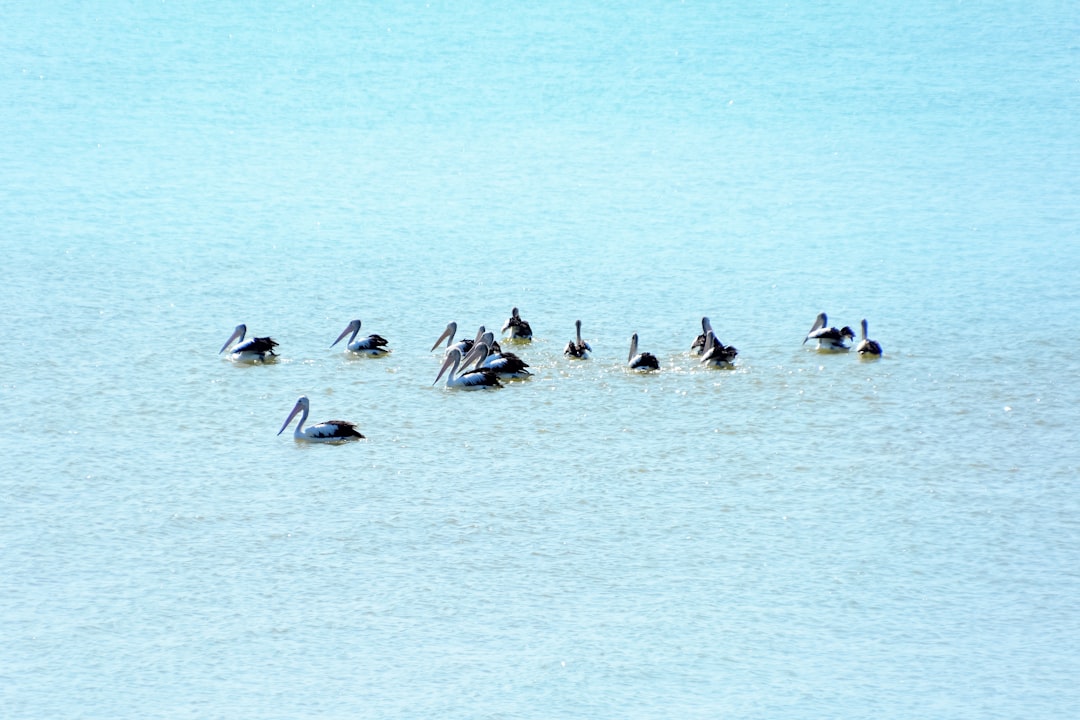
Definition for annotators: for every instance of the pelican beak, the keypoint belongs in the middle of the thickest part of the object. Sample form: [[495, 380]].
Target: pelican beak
[[295, 410], [447, 333], [446, 364], [237, 333], [344, 332], [633, 348]]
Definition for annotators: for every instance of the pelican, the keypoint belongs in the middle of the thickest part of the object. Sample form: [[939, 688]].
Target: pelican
[[464, 345], [698, 346], [504, 365], [867, 346], [257, 349], [329, 431], [519, 329], [717, 354], [828, 338], [470, 380], [372, 345], [642, 361], [579, 348]]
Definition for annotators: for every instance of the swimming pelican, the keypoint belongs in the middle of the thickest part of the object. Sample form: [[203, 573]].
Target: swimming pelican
[[504, 365], [579, 349], [256, 349], [698, 346], [519, 329], [642, 361], [372, 345], [717, 354], [464, 345], [867, 346], [329, 431], [470, 380], [828, 338]]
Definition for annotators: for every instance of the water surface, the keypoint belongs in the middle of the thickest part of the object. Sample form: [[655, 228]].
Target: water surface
[[806, 534]]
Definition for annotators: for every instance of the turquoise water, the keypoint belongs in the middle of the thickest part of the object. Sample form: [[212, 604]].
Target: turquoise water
[[805, 535]]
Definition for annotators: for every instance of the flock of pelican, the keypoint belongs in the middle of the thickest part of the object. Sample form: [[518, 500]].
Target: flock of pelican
[[480, 363]]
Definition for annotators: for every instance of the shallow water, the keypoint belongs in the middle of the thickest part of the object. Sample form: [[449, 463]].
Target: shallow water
[[805, 534]]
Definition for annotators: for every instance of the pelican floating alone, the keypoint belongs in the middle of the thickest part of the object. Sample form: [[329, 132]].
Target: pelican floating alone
[[256, 349], [372, 345], [519, 329], [641, 361], [828, 338], [329, 431], [867, 346], [577, 348]]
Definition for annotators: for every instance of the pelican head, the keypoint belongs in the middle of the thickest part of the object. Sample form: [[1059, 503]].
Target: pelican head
[[447, 335], [302, 405], [481, 348], [633, 347], [478, 354], [354, 328], [237, 335], [453, 359]]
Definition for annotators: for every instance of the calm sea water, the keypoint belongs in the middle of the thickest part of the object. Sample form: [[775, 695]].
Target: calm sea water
[[805, 535]]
